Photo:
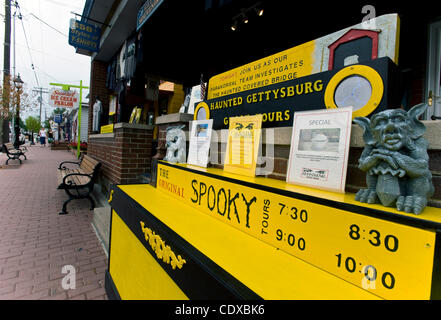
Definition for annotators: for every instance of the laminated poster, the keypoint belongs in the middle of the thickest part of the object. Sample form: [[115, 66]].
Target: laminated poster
[[320, 148], [200, 139], [243, 145]]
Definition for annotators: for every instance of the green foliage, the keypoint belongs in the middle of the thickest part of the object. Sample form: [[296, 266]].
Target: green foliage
[[33, 124], [59, 111]]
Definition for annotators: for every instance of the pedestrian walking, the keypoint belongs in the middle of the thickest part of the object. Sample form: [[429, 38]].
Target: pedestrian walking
[[42, 134]]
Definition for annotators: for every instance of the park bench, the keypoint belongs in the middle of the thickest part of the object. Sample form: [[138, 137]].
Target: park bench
[[12, 152], [78, 182]]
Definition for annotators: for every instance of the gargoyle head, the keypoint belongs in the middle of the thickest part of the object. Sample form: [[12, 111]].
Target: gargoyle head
[[172, 134], [393, 129]]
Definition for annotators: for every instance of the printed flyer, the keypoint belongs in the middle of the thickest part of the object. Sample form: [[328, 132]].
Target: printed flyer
[[243, 145], [320, 148], [200, 139]]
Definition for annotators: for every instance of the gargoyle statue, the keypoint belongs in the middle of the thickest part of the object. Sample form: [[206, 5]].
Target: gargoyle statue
[[395, 160], [175, 142]]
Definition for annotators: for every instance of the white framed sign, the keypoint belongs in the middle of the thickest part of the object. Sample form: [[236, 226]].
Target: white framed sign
[[59, 98], [200, 139], [320, 149]]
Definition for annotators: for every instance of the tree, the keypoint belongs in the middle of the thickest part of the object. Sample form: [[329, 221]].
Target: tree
[[10, 97], [33, 125], [59, 111]]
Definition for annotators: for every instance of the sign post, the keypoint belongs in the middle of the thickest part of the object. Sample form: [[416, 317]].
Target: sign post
[[67, 87]]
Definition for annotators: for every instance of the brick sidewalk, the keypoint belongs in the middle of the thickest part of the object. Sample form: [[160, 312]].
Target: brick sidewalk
[[36, 242]]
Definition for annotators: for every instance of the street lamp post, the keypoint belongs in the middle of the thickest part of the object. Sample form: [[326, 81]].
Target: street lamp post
[[18, 83]]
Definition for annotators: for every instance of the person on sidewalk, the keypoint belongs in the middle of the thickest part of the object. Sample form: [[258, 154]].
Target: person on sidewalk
[[42, 134]]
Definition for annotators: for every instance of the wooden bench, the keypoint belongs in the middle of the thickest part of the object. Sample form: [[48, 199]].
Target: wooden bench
[[78, 182], [12, 152]]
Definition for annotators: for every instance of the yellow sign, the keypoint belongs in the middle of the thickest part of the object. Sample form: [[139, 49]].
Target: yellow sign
[[390, 260], [136, 115], [107, 129], [286, 65], [302, 60], [136, 273], [243, 145]]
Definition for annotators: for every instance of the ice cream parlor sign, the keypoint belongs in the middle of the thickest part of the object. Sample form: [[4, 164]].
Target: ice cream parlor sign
[[59, 98]]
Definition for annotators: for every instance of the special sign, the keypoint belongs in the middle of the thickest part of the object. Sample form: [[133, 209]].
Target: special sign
[[63, 98], [390, 260]]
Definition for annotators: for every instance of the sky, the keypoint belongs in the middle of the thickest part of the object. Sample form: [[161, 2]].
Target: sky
[[53, 58]]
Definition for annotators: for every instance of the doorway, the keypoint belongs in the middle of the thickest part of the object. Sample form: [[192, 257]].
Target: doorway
[[433, 79]]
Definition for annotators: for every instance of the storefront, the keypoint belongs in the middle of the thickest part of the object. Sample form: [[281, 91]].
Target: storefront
[[200, 231]]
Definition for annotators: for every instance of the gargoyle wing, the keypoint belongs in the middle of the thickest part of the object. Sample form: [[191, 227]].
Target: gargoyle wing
[[365, 123], [418, 128]]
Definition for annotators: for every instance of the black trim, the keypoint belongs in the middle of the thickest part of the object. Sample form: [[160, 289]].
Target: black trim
[[435, 294], [109, 285], [389, 216], [200, 278], [110, 229]]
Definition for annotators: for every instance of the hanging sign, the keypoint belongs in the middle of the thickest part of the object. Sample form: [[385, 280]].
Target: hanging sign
[[146, 11], [59, 98], [83, 35]]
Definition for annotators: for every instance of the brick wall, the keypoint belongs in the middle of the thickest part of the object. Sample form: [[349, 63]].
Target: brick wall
[[125, 154]]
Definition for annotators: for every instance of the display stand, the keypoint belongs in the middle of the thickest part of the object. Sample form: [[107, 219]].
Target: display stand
[[208, 234]]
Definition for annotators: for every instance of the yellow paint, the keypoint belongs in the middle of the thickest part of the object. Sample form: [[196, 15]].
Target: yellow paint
[[202, 105], [397, 40], [361, 70], [243, 144], [163, 251], [286, 65], [316, 233], [136, 274], [110, 196], [176, 99], [269, 272]]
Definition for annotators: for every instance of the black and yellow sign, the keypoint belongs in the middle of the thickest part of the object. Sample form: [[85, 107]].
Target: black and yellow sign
[[389, 259], [149, 261], [364, 87]]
